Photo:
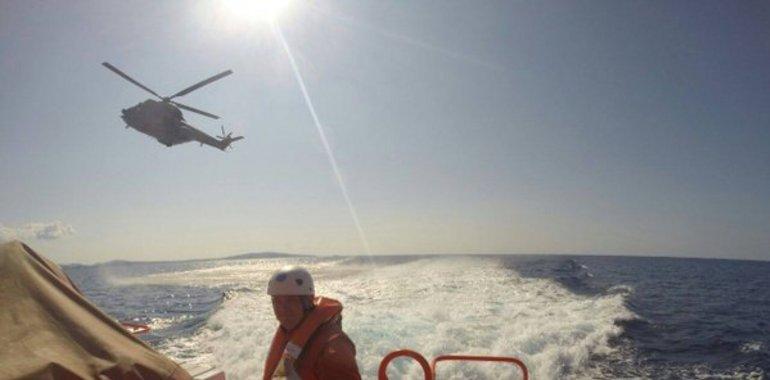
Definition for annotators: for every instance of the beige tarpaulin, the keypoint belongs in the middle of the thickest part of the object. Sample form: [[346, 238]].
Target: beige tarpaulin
[[49, 330]]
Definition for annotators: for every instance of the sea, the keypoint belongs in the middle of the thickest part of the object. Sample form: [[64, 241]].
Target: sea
[[566, 317]]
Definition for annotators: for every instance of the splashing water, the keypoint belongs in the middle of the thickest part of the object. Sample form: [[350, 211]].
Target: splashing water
[[435, 306], [576, 317]]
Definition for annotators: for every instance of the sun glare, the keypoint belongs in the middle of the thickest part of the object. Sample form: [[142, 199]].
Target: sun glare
[[256, 10]]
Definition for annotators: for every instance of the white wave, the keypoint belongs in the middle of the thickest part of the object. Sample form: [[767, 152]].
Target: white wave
[[245, 273], [705, 372], [752, 347], [620, 289], [434, 306], [157, 324]]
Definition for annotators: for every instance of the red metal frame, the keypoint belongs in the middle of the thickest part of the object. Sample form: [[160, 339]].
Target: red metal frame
[[382, 373], [476, 358], [430, 370]]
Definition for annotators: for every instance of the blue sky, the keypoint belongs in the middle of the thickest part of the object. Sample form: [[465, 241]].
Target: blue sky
[[631, 128]]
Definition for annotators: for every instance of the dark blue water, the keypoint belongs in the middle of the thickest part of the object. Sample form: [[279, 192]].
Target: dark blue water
[[696, 318], [170, 310]]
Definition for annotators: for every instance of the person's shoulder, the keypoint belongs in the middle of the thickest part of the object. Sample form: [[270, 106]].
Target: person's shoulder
[[337, 359], [332, 333], [331, 354], [339, 341]]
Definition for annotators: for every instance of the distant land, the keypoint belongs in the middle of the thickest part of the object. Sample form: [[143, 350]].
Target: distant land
[[243, 256], [259, 255]]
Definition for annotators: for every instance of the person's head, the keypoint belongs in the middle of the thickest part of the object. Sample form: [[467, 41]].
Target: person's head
[[292, 292]]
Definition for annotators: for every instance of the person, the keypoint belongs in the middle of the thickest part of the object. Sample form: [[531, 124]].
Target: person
[[309, 342]]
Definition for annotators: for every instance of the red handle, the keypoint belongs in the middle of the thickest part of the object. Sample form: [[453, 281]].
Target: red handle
[[382, 373], [476, 358]]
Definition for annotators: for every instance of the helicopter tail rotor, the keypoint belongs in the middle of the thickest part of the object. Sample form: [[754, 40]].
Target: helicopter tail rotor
[[227, 138]]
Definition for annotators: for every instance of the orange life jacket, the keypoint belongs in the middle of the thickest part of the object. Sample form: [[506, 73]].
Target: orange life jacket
[[289, 346]]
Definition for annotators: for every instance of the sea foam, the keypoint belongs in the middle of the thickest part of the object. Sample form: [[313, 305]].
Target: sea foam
[[441, 305]]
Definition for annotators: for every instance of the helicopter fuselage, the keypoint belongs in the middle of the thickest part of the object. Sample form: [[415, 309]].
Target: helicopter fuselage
[[158, 119], [163, 119]]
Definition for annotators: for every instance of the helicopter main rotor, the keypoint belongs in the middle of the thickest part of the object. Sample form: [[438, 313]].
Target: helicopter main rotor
[[204, 113], [167, 99], [201, 84], [128, 78]]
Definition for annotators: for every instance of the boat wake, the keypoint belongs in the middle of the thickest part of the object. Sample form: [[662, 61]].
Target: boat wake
[[435, 305]]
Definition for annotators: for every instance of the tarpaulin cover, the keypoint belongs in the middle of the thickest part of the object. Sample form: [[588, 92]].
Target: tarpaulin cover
[[49, 330]]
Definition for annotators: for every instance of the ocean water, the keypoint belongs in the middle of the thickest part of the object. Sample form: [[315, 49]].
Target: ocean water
[[565, 317]]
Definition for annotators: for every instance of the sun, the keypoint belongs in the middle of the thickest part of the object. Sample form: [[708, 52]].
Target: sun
[[256, 10]]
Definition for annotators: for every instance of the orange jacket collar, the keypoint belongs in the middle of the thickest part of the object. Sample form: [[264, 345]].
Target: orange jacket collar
[[289, 345]]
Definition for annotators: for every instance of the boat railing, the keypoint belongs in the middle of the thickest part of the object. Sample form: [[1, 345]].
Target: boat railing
[[430, 370]]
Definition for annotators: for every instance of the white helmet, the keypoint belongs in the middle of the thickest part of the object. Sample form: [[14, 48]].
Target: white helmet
[[291, 281]]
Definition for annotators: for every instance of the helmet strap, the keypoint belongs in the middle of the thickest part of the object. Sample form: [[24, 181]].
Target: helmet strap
[[307, 303]]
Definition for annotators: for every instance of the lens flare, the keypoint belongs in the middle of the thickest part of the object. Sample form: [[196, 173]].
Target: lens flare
[[325, 142]]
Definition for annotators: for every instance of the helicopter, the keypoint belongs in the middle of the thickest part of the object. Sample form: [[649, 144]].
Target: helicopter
[[163, 120]]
